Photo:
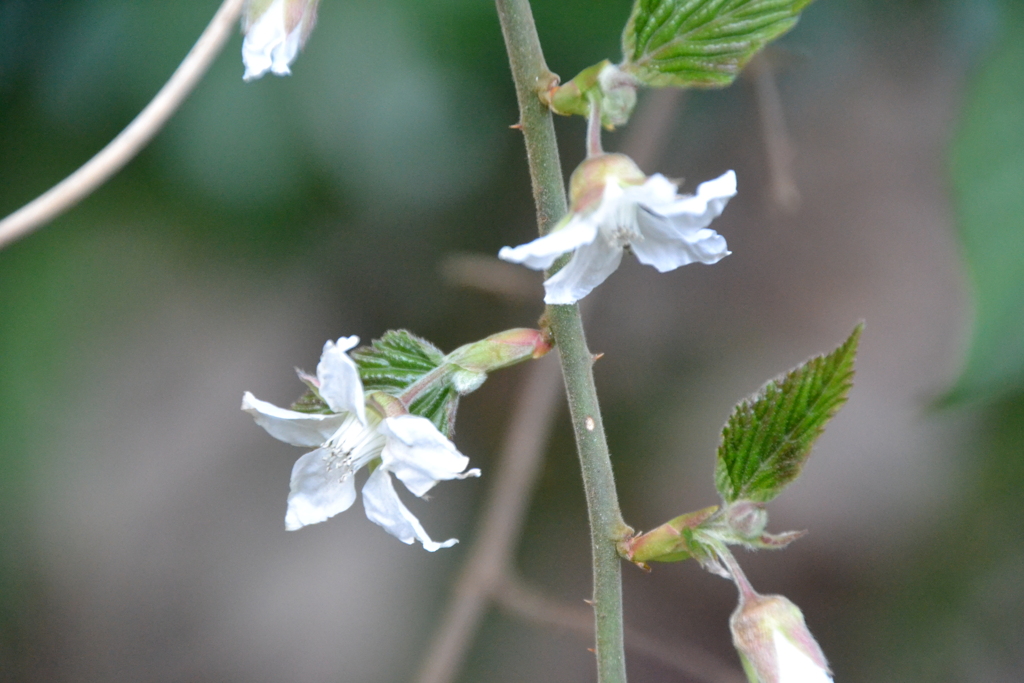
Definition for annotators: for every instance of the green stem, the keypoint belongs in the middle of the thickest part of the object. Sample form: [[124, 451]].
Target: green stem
[[531, 77]]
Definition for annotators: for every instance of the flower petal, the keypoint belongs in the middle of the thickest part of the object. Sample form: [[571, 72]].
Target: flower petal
[[340, 385], [794, 665], [590, 266], [676, 233], [657, 190], [418, 454], [666, 248], [318, 491], [383, 507], [542, 252], [700, 209], [298, 429], [268, 45]]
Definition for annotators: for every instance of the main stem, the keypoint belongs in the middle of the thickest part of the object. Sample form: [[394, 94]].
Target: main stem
[[532, 76]]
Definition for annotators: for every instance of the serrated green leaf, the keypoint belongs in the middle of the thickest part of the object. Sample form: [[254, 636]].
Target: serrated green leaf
[[701, 43], [768, 437], [396, 361], [310, 402]]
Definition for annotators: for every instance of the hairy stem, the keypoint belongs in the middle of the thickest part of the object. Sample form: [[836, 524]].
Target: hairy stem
[[532, 76]]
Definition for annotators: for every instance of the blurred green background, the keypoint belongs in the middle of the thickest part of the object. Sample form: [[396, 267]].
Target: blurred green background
[[141, 533]]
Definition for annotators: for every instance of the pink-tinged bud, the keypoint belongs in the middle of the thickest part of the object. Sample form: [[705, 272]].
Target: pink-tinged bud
[[673, 541], [501, 350], [275, 31], [773, 641], [588, 181]]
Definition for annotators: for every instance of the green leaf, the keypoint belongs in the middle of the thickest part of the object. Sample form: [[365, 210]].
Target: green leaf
[[769, 436], [399, 359], [988, 192], [701, 43], [310, 402], [396, 360]]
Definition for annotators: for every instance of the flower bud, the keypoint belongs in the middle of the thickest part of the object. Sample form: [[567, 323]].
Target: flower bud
[[613, 89], [275, 31], [673, 541], [773, 642], [500, 350]]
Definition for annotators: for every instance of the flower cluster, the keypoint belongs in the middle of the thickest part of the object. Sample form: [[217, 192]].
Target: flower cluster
[[614, 206], [359, 431]]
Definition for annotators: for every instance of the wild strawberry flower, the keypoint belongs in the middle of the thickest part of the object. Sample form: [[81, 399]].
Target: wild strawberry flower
[[355, 435], [275, 31], [614, 206]]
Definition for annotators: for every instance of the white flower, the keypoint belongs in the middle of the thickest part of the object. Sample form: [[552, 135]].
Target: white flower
[[274, 34], [323, 480], [615, 205]]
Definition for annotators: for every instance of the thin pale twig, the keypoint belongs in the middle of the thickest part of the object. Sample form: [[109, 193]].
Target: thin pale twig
[[133, 138]]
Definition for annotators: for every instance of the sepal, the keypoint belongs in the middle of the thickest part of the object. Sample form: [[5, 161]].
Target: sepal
[[745, 523]]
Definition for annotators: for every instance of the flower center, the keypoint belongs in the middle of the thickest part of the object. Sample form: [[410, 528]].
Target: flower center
[[621, 227], [352, 446]]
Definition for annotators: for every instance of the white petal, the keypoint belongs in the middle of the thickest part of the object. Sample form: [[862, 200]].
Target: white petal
[[542, 252], [298, 429], [666, 248], [418, 454], [590, 266], [795, 666], [340, 385], [676, 233], [267, 45], [655, 191], [700, 209], [318, 491], [384, 508]]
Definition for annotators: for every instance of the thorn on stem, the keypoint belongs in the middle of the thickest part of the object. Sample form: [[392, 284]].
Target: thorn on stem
[[596, 357], [516, 126], [589, 602], [591, 650]]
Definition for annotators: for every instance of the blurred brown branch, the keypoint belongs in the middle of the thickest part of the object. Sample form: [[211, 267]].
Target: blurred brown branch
[[517, 598], [778, 148]]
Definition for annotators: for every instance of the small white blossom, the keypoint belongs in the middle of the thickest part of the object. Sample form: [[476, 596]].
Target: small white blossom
[[614, 205], [274, 34], [323, 480]]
